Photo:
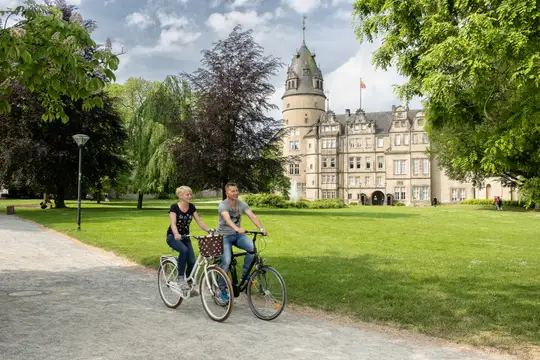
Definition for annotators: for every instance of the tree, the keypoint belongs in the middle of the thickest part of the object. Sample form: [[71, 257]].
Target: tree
[[477, 64], [50, 56], [43, 156], [151, 111], [227, 135]]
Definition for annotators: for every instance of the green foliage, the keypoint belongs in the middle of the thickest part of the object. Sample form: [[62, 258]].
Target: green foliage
[[484, 202], [477, 65], [46, 53], [399, 203], [281, 202]]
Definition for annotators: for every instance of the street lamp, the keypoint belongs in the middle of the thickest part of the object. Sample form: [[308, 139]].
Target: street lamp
[[80, 139], [385, 195]]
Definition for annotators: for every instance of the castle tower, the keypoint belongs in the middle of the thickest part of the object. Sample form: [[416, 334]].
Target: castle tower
[[303, 105]]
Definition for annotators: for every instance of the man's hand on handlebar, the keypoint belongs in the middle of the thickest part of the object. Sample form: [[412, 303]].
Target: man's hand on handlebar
[[264, 232], [241, 231]]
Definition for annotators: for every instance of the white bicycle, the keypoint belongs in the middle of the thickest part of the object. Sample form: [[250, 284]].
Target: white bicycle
[[218, 306]]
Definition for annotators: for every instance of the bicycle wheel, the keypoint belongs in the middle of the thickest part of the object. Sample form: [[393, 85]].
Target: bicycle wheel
[[210, 292], [266, 293], [168, 289]]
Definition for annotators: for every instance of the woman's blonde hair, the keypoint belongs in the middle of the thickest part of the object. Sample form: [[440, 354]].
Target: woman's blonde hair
[[182, 189]]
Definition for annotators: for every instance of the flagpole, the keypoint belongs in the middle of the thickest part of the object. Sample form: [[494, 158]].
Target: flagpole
[[360, 93]]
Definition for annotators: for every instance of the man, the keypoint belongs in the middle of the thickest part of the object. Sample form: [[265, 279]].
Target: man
[[229, 213]]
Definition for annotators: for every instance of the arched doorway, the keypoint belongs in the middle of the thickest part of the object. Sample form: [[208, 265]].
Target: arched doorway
[[389, 199], [488, 191], [377, 198], [364, 199]]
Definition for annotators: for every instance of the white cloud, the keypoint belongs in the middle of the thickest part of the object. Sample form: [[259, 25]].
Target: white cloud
[[244, 3], [175, 30], [139, 20], [342, 14], [302, 6], [279, 13], [224, 23], [344, 85]]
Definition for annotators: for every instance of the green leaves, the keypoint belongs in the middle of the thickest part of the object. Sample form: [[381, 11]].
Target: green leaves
[[45, 52]]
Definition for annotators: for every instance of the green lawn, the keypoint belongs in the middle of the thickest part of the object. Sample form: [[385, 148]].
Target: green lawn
[[464, 273]]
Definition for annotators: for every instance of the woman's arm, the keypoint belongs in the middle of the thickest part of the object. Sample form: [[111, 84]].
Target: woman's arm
[[200, 222], [174, 229]]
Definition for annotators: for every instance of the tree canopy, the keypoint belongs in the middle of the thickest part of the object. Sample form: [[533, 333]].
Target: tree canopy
[[53, 57], [477, 66], [227, 135]]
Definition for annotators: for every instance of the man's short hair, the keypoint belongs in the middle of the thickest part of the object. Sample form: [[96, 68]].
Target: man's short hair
[[230, 184]]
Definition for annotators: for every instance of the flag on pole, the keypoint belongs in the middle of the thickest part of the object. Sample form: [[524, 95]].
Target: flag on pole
[[362, 85]]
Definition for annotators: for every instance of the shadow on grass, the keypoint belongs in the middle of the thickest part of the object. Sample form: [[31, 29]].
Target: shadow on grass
[[480, 309], [332, 213]]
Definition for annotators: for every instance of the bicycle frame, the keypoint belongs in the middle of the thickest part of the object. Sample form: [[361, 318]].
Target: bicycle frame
[[238, 288], [200, 263]]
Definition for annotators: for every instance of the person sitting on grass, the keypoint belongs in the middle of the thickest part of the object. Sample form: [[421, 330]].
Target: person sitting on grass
[[180, 216]]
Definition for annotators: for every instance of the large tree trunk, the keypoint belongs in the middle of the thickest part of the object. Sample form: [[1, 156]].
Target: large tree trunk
[[139, 201], [59, 199], [46, 197], [97, 196]]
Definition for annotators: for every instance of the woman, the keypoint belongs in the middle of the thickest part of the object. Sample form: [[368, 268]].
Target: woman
[[180, 216]]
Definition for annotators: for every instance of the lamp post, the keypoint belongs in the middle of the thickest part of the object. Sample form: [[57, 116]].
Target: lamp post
[[385, 195], [80, 139]]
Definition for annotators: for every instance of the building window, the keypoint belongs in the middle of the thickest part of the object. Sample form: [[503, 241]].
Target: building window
[[324, 162], [416, 193], [294, 169], [415, 139], [380, 142], [335, 128], [397, 140], [351, 180], [305, 120], [400, 167], [333, 144], [368, 143], [351, 163], [420, 122], [368, 163], [425, 166], [367, 180], [399, 193], [416, 166], [294, 132], [357, 180], [309, 145], [405, 139], [328, 194], [358, 162], [294, 145], [379, 180], [288, 106], [425, 139], [364, 126], [356, 127], [454, 195], [333, 162], [323, 179], [425, 192], [332, 179], [380, 162], [349, 196], [310, 166], [301, 187]]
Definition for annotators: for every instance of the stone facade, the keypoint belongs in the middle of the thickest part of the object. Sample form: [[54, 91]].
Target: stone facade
[[371, 158]]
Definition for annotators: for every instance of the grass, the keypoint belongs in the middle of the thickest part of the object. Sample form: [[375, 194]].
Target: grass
[[464, 273]]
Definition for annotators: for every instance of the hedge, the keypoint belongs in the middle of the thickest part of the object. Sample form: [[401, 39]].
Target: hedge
[[281, 202], [491, 203]]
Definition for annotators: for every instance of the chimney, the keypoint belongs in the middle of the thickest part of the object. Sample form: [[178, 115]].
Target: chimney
[[348, 112]]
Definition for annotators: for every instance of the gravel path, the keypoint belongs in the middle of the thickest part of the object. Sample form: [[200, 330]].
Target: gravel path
[[60, 299]]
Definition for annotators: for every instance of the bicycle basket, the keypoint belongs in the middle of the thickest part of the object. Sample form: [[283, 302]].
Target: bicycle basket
[[211, 245]]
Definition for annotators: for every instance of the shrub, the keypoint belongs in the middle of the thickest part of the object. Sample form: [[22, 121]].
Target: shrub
[[300, 204], [491, 203], [328, 204], [399, 203], [266, 200], [353, 203]]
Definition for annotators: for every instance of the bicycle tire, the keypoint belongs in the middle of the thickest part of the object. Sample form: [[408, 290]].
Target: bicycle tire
[[173, 304], [202, 285], [266, 268]]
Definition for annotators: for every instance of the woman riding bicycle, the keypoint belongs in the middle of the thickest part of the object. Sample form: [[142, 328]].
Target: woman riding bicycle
[[180, 216]]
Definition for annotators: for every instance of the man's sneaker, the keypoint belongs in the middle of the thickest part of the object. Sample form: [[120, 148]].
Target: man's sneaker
[[223, 299], [183, 285], [194, 292]]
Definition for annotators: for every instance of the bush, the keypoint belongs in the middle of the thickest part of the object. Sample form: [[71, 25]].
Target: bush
[[399, 203], [490, 202], [328, 204], [353, 203], [300, 204], [266, 200]]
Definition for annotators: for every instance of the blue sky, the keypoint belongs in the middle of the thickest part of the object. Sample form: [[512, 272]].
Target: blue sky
[[165, 37]]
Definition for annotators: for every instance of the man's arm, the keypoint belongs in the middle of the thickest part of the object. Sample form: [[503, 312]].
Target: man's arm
[[255, 220], [229, 222]]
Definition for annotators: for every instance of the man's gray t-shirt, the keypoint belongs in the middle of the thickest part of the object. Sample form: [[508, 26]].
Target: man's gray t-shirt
[[234, 213]]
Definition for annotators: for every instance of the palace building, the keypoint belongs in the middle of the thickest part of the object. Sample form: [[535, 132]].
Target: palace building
[[376, 158]]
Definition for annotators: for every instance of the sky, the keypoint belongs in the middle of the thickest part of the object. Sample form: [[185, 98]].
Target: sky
[[166, 37]]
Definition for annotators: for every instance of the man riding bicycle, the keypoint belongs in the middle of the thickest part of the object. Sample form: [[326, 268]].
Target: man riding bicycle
[[229, 215]]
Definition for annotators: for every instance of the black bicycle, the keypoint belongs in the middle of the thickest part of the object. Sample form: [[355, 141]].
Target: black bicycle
[[264, 286]]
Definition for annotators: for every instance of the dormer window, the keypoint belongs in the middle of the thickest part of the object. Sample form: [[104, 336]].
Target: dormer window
[[306, 71]]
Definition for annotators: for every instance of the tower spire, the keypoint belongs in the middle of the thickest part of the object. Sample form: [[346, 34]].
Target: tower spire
[[304, 30]]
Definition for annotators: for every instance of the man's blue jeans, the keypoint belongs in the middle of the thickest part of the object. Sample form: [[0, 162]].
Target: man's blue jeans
[[240, 241]]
